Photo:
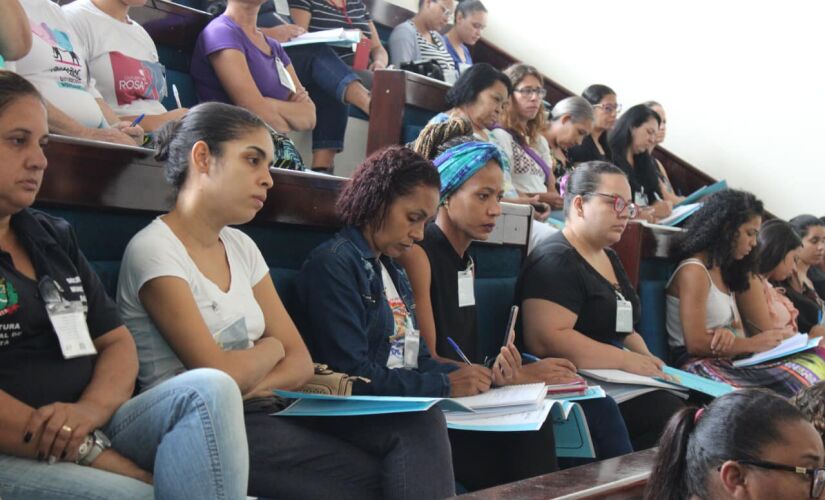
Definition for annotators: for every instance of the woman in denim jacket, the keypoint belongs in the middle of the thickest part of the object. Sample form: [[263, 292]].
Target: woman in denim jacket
[[358, 311]]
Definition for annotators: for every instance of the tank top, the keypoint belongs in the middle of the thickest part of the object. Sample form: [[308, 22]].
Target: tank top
[[720, 309]]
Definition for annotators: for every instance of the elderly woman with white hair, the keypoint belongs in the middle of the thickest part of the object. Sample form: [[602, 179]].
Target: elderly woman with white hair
[[570, 121]]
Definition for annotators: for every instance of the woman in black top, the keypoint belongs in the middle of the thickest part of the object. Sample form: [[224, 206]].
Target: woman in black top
[[631, 139], [605, 110], [808, 276], [578, 303]]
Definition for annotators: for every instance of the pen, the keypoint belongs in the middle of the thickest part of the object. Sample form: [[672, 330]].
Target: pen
[[459, 351], [530, 357], [177, 95], [138, 120]]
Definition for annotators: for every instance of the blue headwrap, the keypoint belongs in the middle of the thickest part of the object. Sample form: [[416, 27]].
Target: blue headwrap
[[461, 162]]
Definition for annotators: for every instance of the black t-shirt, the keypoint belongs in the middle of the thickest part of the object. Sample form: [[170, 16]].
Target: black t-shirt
[[806, 303], [643, 177], [587, 150], [458, 323], [817, 277], [556, 272], [32, 367]]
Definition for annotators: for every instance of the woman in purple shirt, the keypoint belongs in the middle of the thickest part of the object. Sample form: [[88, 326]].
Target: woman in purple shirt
[[235, 63]]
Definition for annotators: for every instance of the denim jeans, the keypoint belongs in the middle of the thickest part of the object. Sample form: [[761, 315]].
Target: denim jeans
[[398, 456], [188, 431], [326, 78]]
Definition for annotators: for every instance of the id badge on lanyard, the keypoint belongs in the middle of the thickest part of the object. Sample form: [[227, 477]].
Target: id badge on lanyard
[[412, 342], [624, 314], [281, 7], [466, 291], [284, 76], [67, 319]]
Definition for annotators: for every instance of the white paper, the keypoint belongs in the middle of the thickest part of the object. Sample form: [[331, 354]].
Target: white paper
[[792, 345], [510, 395]]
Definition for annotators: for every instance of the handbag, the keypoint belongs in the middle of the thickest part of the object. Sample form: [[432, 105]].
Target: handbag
[[329, 382], [430, 69]]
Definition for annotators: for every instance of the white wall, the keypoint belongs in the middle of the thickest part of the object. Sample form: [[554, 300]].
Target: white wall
[[742, 82]]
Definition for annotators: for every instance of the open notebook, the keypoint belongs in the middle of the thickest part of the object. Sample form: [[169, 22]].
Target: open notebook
[[796, 344], [623, 386]]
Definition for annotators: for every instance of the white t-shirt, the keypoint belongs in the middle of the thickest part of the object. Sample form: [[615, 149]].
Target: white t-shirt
[[527, 175], [122, 59], [56, 65], [234, 317]]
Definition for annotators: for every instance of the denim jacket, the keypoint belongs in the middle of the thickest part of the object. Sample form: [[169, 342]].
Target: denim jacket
[[346, 320]]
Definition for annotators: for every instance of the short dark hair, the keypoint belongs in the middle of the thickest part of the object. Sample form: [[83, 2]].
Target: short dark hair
[[801, 224], [13, 87], [694, 444], [712, 229], [467, 7], [382, 178], [214, 123], [473, 81], [776, 239], [596, 92], [586, 178]]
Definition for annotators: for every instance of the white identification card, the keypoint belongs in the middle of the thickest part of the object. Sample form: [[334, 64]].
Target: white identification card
[[281, 7], [624, 315], [412, 341], [69, 324], [283, 75], [466, 291]]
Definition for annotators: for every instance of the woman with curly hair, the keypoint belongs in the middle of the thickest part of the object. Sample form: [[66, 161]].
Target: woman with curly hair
[[811, 402], [717, 266]]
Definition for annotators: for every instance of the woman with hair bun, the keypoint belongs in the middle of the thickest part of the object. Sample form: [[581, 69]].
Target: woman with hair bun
[[197, 292], [746, 444], [570, 121], [719, 270]]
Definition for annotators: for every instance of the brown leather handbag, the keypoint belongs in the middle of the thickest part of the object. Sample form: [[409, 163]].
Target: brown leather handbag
[[332, 383]]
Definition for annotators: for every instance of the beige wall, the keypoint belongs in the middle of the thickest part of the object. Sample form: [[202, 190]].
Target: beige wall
[[742, 82]]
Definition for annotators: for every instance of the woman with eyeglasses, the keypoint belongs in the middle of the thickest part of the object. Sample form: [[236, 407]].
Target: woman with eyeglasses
[[520, 137], [418, 39], [570, 121], [605, 111], [745, 444], [577, 302], [631, 140], [716, 255]]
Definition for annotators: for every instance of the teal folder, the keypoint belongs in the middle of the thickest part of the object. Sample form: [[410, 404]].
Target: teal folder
[[697, 383], [702, 192]]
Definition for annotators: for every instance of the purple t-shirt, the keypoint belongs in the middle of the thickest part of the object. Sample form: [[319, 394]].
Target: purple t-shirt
[[222, 33]]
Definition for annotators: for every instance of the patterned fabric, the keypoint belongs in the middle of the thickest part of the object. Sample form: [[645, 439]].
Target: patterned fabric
[[286, 154], [458, 164], [785, 376]]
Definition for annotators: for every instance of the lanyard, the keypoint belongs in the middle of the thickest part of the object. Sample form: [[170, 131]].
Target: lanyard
[[343, 9]]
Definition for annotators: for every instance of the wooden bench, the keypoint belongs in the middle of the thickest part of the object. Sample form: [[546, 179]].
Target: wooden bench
[[623, 477]]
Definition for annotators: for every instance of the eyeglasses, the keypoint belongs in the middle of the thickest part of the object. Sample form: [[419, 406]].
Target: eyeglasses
[[445, 12], [817, 475], [609, 108], [528, 91], [619, 203]]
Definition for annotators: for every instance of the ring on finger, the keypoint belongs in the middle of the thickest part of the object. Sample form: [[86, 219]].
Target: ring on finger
[[66, 428]]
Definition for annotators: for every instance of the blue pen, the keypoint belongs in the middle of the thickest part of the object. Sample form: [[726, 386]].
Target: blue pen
[[530, 357], [459, 351], [138, 120]]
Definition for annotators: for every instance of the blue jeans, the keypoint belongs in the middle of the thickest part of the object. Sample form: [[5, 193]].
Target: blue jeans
[[326, 78], [188, 431]]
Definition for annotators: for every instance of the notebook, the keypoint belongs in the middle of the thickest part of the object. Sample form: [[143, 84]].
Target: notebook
[[796, 344]]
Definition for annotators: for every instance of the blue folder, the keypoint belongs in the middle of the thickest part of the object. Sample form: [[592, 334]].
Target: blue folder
[[703, 192], [697, 383]]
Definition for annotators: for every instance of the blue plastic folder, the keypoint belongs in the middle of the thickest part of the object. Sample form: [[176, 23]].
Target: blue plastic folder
[[703, 192], [311, 405], [572, 433], [697, 383]]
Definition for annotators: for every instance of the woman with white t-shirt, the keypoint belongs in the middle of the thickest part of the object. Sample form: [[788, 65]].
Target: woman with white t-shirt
[[57, 67], [197, 293], [122, 59]]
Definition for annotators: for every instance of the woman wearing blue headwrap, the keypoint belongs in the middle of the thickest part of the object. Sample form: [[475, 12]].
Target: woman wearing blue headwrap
[[442, 273]]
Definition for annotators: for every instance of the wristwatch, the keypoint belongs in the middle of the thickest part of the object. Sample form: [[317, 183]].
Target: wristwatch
[[93, 446]]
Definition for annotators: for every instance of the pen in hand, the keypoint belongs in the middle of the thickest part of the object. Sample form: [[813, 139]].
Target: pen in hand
[[138, 120], [459, 351]]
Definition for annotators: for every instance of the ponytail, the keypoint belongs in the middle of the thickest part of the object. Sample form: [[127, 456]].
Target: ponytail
[[667, 479]]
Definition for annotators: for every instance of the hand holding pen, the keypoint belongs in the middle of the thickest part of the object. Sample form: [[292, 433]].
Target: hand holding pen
[[470, 379]]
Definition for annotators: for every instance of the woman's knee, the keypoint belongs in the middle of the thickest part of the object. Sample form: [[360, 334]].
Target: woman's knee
[[211, 387]]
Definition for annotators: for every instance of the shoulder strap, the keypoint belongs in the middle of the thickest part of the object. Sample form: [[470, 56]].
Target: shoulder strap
[[686, 262]]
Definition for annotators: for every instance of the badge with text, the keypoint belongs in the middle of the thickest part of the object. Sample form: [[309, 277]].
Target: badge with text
[[68, 320], [624, 314], [281, 7], [466, 291], [284, 76]]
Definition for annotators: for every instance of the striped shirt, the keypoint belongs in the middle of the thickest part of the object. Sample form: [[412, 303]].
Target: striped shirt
[[326, 16], [437, 52]]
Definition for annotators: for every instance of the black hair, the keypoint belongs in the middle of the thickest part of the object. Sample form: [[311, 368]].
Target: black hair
[[213, 123], [586, 178], [467, 7], [620, 138], [801, 224], [694, 444], [473, 81], [776, 239], [596, 92], [382, 178], [13, 87], [713, 229]]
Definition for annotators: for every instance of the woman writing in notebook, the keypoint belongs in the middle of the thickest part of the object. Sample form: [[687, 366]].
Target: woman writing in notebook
[[718, 260], [442, 274], [578, 302]]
